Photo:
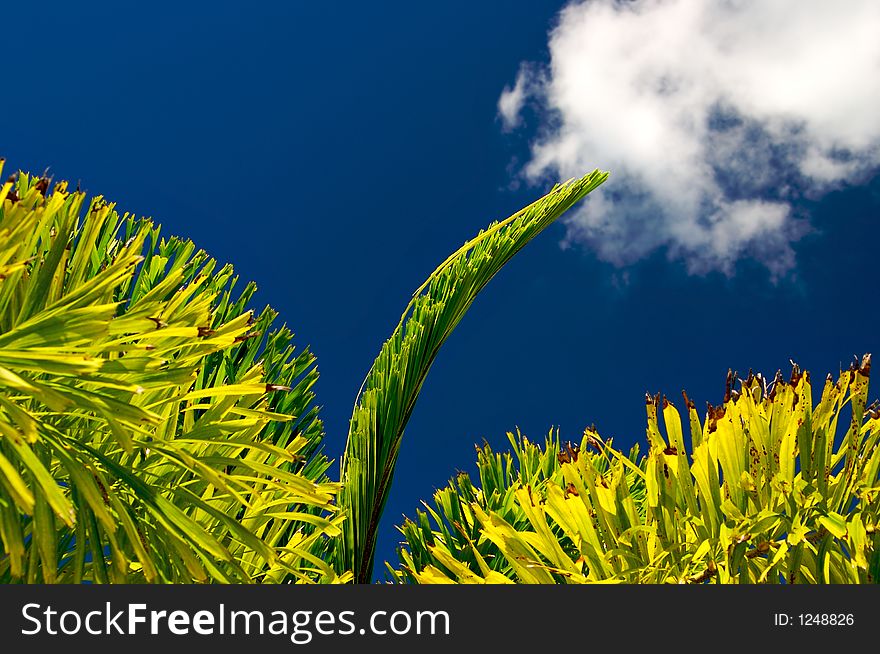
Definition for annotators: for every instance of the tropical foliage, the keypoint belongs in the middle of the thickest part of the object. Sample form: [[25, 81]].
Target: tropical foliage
[[154, 430], [151, 429], [770, 488]]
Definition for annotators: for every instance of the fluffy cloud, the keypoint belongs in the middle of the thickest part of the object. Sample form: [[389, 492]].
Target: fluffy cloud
[[714, 118], [510, 103]]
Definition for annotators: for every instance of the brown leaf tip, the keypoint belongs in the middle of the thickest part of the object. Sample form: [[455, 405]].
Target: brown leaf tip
[[689, 403], [796, 373], [568, 453], [728, 385], [714, 415]]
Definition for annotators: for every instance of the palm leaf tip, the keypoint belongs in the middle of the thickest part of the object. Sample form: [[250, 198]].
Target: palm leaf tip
[[390, 389]]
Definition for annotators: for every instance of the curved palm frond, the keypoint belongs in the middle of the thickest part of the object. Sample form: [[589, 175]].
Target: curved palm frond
[[391, 387], [776, 490], [150, 428]]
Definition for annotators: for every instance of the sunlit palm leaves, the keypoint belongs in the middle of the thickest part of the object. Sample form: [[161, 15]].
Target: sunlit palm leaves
[[150, 428], [153, 430], [771, 490], [392, 385]]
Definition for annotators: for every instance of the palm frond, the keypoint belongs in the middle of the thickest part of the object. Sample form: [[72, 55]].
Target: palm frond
[[391, 387], [151, 429]]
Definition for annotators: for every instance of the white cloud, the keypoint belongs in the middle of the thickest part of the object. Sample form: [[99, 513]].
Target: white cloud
[[713, 117], [511, 102]]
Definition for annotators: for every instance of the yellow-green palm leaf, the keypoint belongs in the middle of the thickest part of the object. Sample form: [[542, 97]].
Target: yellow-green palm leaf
[[151, 429], [772, 488]]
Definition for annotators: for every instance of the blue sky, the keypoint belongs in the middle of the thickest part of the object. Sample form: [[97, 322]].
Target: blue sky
[[336, 154]]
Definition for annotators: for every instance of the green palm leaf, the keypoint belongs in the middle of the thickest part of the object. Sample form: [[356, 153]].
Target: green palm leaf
[[390, 390]]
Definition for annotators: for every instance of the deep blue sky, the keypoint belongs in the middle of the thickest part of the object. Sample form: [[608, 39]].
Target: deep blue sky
[[336, 154]]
